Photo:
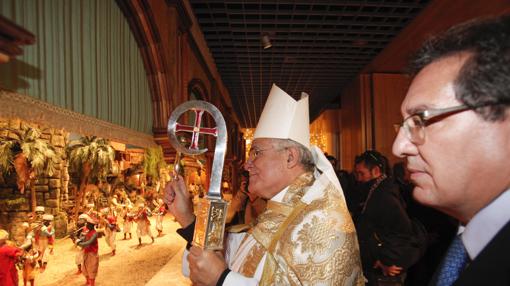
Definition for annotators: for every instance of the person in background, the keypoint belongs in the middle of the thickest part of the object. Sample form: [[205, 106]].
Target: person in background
[[401, 179], [39, 212], [91, 211], [385, 231], [245, 206], [332, 160], [30, 254], [81, 228], [89, 243], [129, 217], [45, 239], [143, 225], [109, 221], [159, 211], [455, 138], [8, 257], [29, 265]]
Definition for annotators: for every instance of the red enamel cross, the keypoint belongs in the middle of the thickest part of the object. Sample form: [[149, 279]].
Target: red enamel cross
[[196, 129]]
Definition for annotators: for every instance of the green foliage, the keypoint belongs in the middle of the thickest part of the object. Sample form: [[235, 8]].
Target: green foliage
[[40, 155], [14, 202], [153, 161], [94, 152], [6, 156]]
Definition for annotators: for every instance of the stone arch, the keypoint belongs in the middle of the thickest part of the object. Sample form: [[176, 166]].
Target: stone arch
[[140, 17]]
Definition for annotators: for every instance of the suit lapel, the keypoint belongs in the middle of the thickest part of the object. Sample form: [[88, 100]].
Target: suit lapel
[[492, 265]]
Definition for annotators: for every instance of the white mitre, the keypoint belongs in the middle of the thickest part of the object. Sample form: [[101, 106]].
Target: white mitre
[[284, 118]]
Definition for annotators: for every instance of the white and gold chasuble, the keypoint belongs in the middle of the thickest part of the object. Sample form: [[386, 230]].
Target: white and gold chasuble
[[305, 237]]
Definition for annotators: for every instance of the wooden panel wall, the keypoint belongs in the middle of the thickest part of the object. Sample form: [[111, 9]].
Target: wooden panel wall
[[370, 107], [354, 124], [324, 130], [388, 91]]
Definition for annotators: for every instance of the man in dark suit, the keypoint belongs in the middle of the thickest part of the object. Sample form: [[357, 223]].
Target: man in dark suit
[[456, 138]]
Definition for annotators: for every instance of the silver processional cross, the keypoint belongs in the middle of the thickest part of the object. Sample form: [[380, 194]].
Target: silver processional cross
[[212, 210]]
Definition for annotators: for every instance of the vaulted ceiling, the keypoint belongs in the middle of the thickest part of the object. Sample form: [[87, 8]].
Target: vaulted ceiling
[[317, 46]]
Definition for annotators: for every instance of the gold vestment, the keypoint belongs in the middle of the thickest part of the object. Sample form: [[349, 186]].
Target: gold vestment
[[308, 238]]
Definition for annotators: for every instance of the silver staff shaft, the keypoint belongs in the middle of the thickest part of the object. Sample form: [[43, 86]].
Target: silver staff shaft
[[177, 165]]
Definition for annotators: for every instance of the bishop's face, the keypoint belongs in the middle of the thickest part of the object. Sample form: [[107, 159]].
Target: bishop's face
[[266, 165]]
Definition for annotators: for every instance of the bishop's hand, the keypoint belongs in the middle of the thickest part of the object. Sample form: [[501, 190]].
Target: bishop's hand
[[205, 266], [179, 203]]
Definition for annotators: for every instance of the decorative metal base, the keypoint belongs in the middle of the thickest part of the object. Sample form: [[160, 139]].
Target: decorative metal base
[[210, 224]]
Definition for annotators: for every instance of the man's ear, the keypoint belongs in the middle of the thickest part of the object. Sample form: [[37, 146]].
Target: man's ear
[[376, 172], [292, 157]]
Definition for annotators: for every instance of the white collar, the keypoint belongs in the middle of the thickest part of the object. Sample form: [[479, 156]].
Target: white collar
[[279, 197], [484, 226]]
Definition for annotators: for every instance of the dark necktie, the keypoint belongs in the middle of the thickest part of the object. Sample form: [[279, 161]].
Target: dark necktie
[[454, 262]]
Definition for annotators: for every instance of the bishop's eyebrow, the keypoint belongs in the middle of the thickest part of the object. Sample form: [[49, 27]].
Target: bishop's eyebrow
[[255, 148]]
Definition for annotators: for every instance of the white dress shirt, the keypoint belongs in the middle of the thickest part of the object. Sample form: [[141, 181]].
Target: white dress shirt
[[484, 226]]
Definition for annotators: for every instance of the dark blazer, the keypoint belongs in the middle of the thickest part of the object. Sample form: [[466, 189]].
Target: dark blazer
[[492, 265], [384, 230]]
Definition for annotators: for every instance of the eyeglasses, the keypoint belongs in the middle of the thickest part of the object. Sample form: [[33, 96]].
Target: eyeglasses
[[255, 153], [414, 125]]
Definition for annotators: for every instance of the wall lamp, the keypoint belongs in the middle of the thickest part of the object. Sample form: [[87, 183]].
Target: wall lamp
[[266, 41]]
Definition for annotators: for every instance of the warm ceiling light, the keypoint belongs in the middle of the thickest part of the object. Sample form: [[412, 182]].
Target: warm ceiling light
[[266, 42]]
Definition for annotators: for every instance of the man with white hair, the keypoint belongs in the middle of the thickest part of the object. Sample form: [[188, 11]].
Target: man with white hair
[[305, 236], [8, 257]]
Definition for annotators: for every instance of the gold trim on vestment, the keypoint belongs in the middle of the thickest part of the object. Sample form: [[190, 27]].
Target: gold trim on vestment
[[306, 244], [252, 260]]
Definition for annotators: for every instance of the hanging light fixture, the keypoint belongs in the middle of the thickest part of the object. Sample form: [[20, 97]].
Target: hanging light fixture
[[266, 42]]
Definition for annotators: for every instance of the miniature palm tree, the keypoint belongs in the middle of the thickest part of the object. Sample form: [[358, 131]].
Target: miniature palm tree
[[29, 155], [153, 162], [90, 157]]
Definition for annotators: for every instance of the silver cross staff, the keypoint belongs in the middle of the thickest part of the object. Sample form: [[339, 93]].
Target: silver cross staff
[[212, 210]]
